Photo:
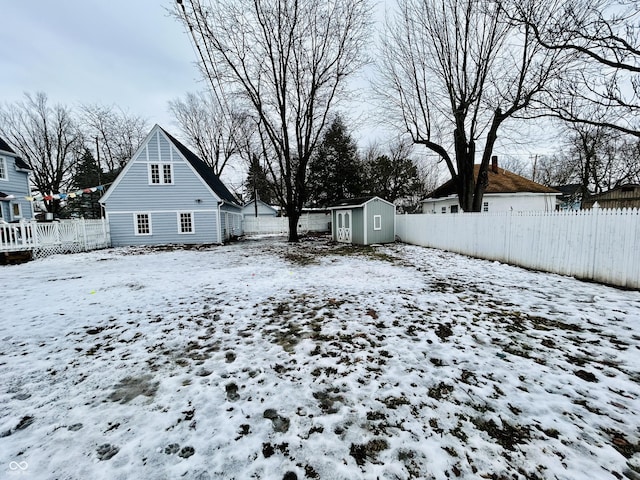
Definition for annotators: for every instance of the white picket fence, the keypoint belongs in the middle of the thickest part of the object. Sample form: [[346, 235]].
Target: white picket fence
[[601, 245], [308, 222], [66, 236]]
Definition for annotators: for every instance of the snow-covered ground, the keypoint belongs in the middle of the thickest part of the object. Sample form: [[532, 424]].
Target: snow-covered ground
[[274, 361]]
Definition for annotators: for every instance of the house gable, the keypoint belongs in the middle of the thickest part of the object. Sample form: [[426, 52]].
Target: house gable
[[158, 176], [165, 194]]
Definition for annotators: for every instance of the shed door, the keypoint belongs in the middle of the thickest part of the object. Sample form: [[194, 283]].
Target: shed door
[[344, 225]]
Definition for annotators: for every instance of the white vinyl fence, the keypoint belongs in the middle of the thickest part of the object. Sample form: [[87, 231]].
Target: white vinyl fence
[[600, 244], [66, 236], [308, 222]]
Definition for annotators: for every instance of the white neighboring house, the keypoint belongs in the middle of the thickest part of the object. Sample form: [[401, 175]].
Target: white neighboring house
[[506, 192], [264, 210]]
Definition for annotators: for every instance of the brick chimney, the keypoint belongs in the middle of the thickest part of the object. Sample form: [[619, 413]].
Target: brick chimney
[[494, 164]]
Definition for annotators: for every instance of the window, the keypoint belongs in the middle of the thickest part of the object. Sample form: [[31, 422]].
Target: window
[[485, 207], [4, 174], [155, 178], [444, 210], [377, 222], [142, 223], [185, 222], [16, 210], [166, 173], [454, 208], [155, 173]]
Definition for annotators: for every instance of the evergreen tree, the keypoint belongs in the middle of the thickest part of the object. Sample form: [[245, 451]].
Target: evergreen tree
[[335, 171], [87, 174], [395, 176], [257, 182]]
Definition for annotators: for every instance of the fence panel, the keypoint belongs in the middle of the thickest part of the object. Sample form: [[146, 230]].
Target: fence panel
[[600, 245], [308, 222], [66, 236]]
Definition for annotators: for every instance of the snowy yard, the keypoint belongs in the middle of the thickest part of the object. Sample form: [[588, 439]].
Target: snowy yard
[[273, 361]]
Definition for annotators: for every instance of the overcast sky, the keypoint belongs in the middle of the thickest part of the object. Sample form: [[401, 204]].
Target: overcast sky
[[130, 53]]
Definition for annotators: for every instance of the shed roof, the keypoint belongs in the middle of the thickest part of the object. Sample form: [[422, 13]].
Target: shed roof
[[204, 170], [356, 202], [503, 181], [631, 189]]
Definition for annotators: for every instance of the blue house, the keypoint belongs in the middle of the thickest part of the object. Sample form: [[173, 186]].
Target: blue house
[[14, 186], [167, 195]]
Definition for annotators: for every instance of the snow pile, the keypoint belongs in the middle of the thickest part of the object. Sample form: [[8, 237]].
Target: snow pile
[[274, 361]]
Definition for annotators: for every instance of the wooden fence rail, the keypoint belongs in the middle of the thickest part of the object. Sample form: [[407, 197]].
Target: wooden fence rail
[[43, 239], [601, 245]]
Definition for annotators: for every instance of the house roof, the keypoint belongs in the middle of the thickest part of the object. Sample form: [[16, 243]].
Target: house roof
[[356, 202], [204, 170], [260, 202], [568, 190], [630, 188], [503, 181], [4, 146]]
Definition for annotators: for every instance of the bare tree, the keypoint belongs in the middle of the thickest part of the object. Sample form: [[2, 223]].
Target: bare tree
[[212, 128], [555, 170], [287, 61], [604, 36], [454, 71], [112, 133], [47, 139]]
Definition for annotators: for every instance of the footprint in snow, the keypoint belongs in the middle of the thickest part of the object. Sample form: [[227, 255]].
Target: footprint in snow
[[172, 448], [280, 424], [107, 451], [232, 392], [186, 452]]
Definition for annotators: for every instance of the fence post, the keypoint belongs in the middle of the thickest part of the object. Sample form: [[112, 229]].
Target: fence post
[[84, 234], [596, 216]]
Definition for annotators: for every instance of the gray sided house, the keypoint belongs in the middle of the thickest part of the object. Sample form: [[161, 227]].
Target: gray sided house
[[14, 186], [363, 221], [165, 194]]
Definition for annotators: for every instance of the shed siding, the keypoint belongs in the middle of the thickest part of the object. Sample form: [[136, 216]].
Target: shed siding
[[387, 214], [357, 225], [17, 184], [164, 229]]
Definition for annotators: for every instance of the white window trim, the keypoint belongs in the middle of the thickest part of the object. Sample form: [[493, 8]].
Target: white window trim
[[3, 162], [135, 224], [193, 223], [161, 166], [2, 210], [13, 215], [377, 222]]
